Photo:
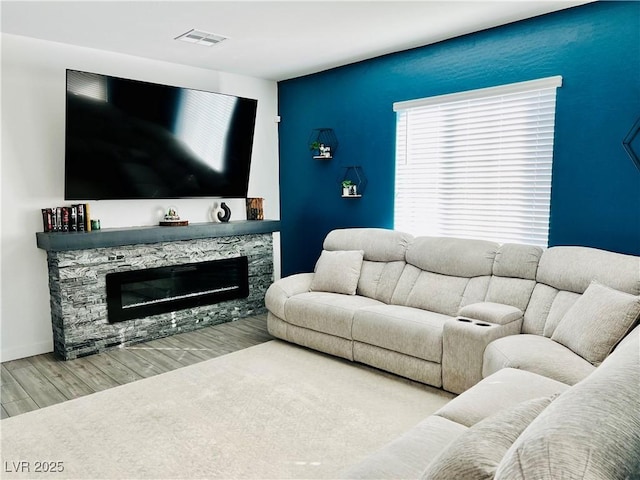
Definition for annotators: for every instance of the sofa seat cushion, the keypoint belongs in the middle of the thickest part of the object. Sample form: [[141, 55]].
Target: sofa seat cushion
[[503, 389], [590, 432], [477, 453], [407, 330], [536, 354], [326, 312], [408, 455]]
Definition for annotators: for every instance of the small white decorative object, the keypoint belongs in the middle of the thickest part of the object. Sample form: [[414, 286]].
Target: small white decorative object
[[172, 219], [325, 151], [349, 189], [220, 213], [172, 214]]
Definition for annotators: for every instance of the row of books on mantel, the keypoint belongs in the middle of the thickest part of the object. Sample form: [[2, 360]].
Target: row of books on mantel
[[72, 218]]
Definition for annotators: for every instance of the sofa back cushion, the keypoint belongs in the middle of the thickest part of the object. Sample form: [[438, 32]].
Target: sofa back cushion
[[438, 293], [443, 274], [564, 273], [378, 280], [378, 244], [574, 268], [454, 257], [591, 431], [514, 275], [384, 257]]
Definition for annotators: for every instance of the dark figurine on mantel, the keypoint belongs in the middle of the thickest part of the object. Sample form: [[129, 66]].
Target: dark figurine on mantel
[[225, 215]]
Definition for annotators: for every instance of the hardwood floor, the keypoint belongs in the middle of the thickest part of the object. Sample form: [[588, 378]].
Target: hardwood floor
[[43, 380]]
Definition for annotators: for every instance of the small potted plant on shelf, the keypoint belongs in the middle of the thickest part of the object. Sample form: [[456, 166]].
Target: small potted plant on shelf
[[349, 189], [322, 150]]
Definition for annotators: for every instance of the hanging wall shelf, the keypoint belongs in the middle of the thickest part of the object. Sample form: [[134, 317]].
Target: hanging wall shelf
[[353, 181], [323, 143]]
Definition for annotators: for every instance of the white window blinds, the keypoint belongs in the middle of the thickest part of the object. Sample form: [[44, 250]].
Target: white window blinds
[[88, 84], [203, 122], [477, 164]]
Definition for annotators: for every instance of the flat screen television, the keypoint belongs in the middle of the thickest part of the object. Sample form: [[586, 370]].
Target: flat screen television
[[127, 139]]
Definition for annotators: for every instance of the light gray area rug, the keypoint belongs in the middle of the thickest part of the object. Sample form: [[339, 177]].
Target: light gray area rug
[[271, 411]]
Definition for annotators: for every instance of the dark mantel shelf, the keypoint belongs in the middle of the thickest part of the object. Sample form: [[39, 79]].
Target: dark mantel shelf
[[114, 237]]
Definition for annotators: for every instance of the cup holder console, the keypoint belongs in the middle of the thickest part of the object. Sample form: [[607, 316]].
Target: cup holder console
[[475, 322], [464, 341]]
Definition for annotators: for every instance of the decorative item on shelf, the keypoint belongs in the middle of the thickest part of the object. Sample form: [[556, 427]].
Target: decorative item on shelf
[[70, 218], [80, 217], [224, 213], [324, 151], [353, 182], [95, 224], [47, 219], [255, 209], [323, 142], [349, 189], [172, 219]]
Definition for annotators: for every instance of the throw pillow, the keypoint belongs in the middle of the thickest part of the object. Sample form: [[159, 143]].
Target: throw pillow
[[477, 453], [337, 271], [597, 321]]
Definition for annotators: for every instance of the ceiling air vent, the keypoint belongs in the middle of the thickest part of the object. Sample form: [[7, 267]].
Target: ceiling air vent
[[201, 38]]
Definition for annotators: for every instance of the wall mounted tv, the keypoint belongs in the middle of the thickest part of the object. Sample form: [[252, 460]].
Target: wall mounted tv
[[127, 139]]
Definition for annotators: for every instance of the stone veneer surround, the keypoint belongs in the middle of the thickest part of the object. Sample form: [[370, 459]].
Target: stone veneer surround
[[78, 290]]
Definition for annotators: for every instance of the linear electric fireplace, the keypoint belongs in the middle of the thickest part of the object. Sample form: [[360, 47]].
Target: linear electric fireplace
[[141, 293]]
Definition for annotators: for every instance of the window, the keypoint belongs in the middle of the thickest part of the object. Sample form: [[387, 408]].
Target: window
[[477, 164]]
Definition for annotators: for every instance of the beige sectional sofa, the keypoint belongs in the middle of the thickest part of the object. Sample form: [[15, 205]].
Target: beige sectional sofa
[[517, 328], [518, 425]]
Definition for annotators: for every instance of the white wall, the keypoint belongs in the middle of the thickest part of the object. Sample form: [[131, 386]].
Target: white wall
[[32, 168]]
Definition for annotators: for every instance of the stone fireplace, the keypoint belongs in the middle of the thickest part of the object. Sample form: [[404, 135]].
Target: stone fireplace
[[218, 275]]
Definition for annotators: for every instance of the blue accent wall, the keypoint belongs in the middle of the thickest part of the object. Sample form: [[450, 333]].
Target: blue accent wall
[[596, 186]]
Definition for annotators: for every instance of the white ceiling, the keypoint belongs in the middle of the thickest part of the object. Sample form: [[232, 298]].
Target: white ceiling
[[267, 39]]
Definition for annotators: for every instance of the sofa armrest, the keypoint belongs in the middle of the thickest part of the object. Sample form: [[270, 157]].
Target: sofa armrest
[[490, 312], [463, 343], [280, 290]]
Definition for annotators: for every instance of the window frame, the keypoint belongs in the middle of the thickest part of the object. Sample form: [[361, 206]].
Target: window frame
[[531, 108]]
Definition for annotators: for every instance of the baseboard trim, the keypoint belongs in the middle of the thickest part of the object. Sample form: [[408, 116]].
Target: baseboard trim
[[8, 354]]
